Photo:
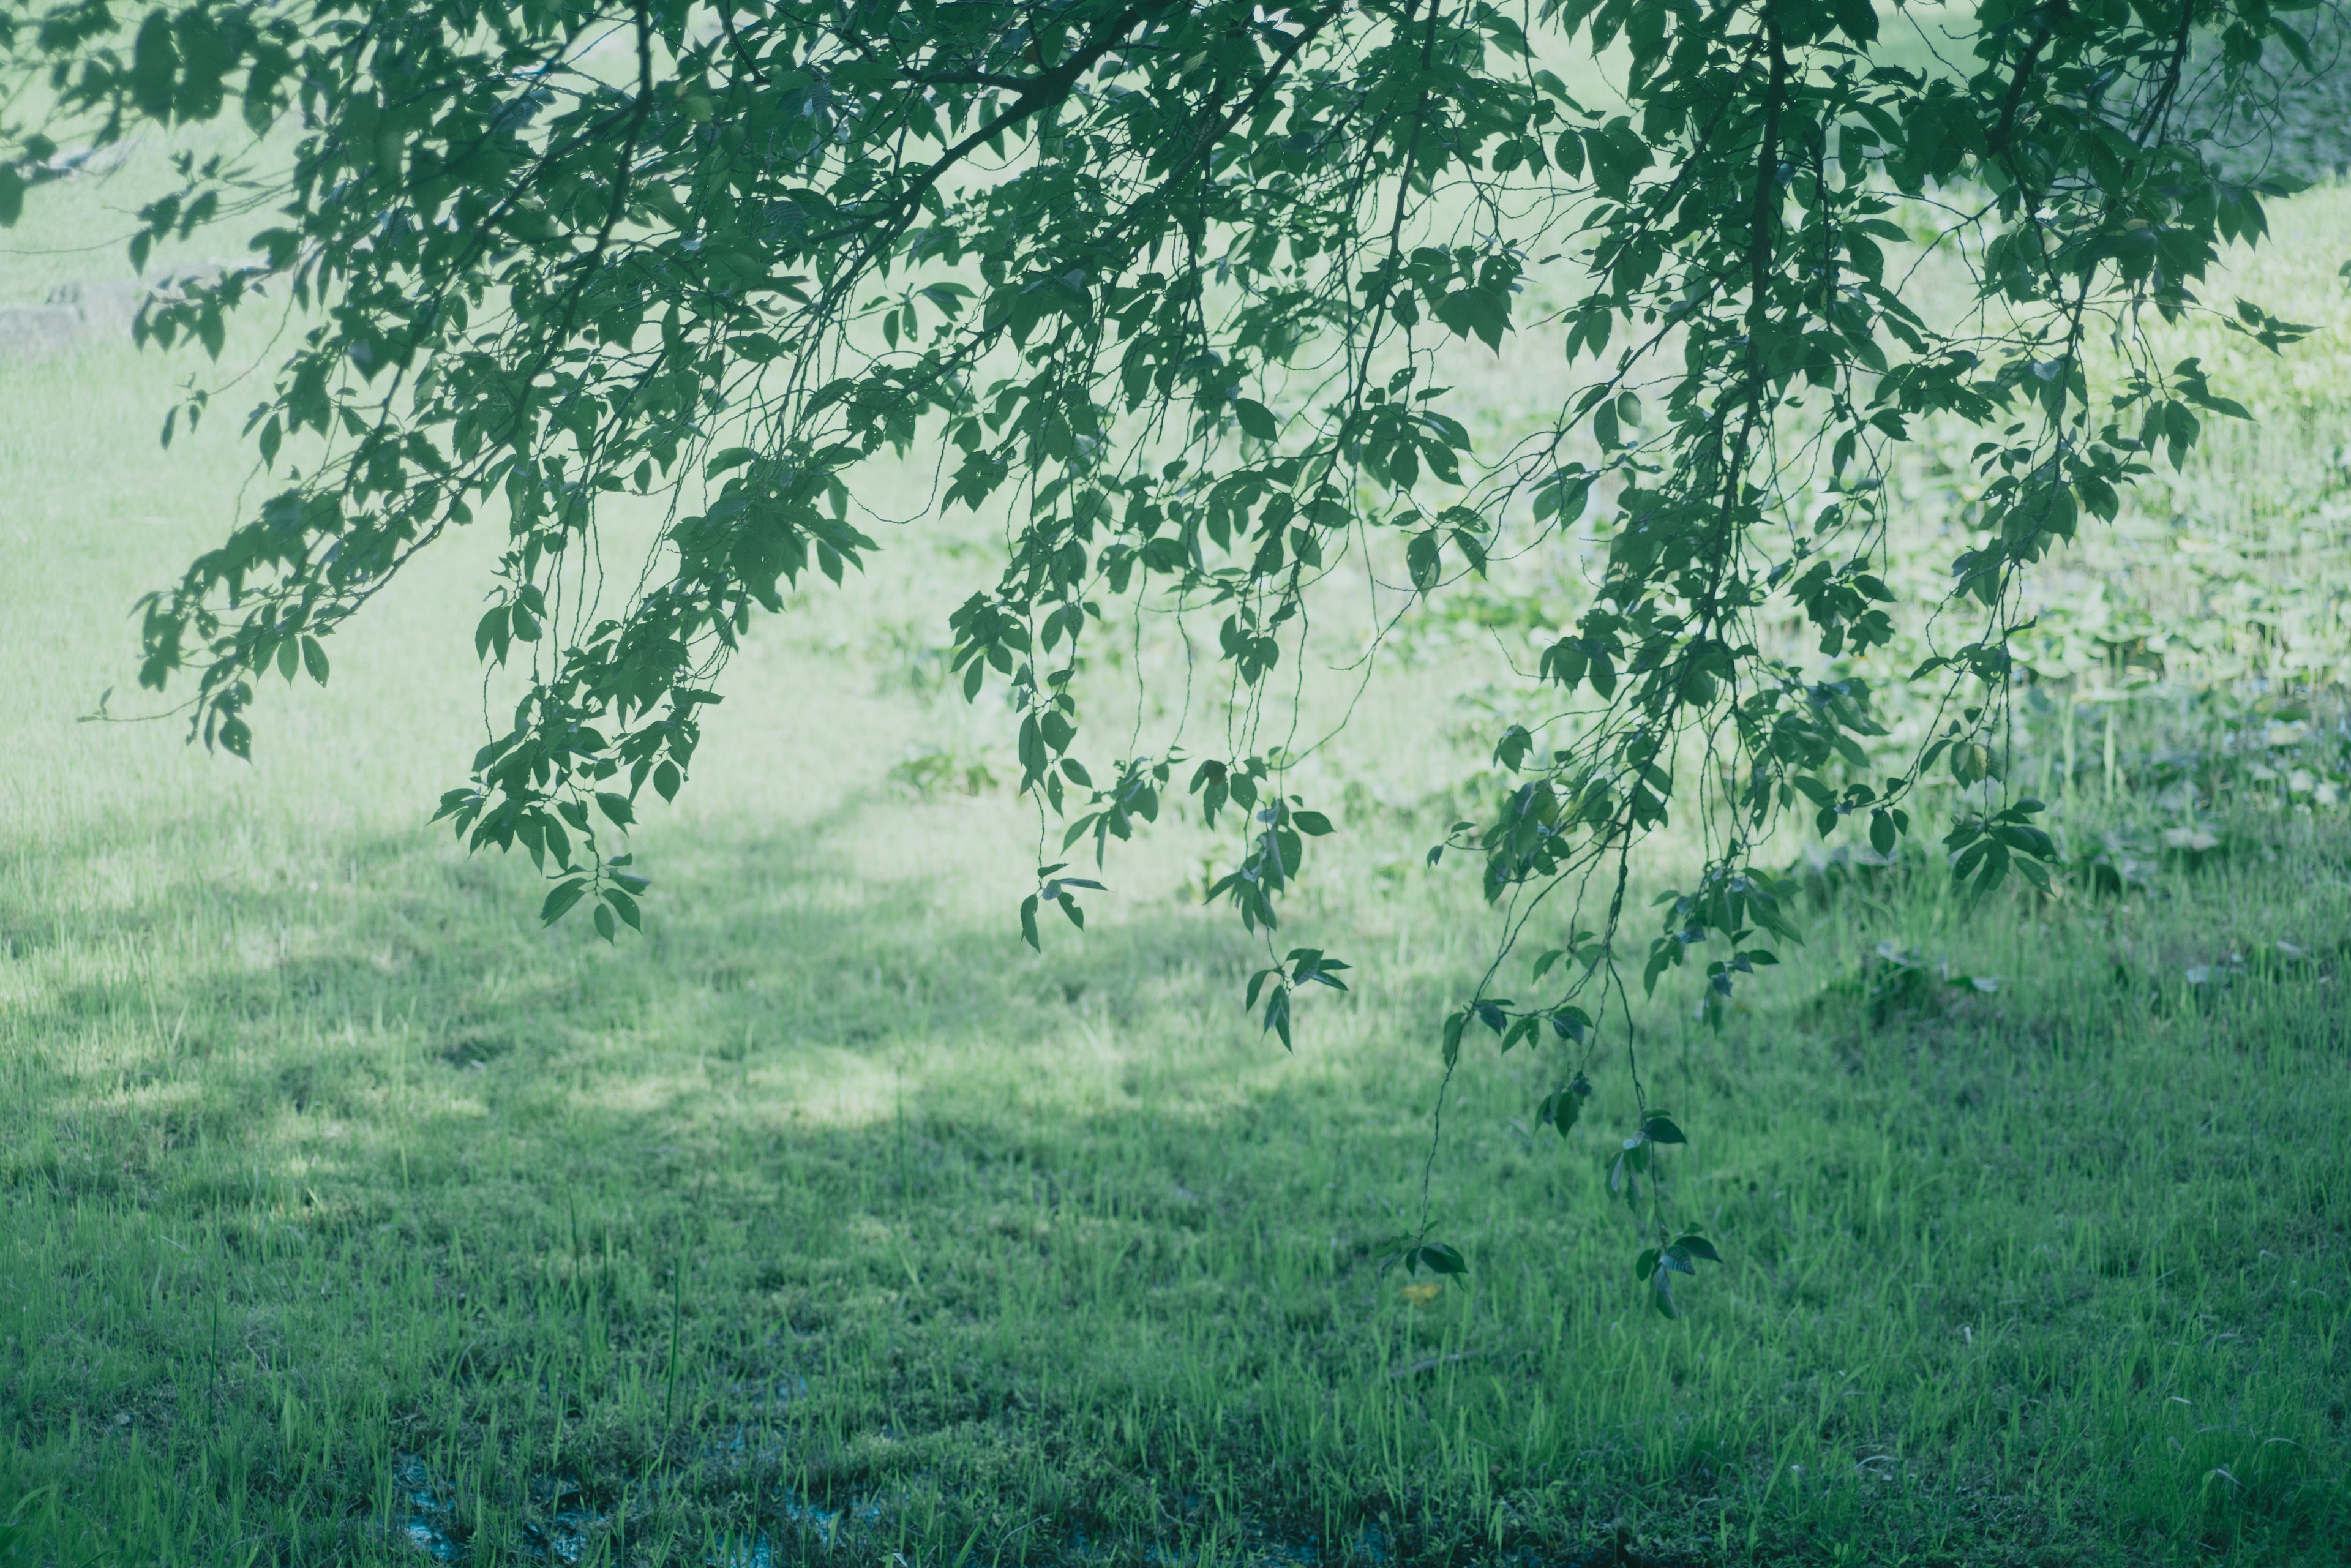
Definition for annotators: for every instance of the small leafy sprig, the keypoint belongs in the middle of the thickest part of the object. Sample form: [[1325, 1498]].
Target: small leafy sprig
[[1303, 966], [1657, 1266], [1057, 891]]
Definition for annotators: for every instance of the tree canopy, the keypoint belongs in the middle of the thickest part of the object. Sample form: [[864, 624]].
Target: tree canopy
[[1163, 282]]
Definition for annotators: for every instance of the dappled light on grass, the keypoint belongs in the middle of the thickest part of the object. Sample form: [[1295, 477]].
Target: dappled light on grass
[[809, 1223]]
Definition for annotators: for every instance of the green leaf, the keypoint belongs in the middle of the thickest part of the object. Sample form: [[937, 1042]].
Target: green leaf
[[561, 899], [1277, 1016], [1422, 561], [1857, 19], [491, 632], [1617, 155], [724, 462], [1440, 1259], [154, 67]]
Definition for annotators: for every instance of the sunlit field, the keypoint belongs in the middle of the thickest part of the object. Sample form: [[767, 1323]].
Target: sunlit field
[[351, 1215]]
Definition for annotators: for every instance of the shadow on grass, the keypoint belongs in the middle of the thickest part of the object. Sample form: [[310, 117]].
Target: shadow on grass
[[396, 1166], [782, 974], [827, 1218]]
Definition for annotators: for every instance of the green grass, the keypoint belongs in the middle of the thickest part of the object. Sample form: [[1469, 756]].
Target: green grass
[[347, 1213]]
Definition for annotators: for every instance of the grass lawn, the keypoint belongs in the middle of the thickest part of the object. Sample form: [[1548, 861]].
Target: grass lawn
[[348, 1215]]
